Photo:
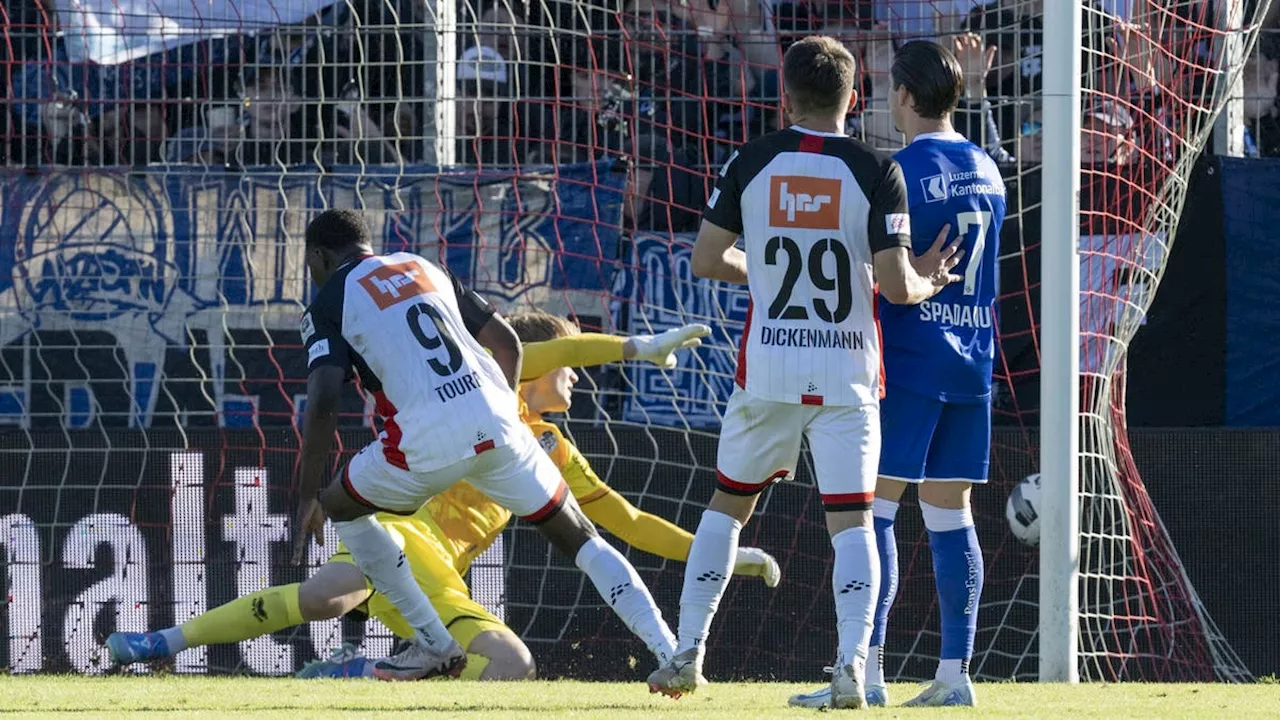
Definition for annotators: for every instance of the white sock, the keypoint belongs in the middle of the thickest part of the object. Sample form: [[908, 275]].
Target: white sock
[[884, 509], [174, 640], [378, 557], [875, 665], [940, 519], [952, 671], [705, 577], [855, 581], [619, 584]]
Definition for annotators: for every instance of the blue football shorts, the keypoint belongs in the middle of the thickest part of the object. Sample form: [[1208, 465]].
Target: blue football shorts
[[925, 438]]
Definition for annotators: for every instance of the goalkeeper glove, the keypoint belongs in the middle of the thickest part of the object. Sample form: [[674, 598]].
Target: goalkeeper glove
[[757, 563], [661, 349]]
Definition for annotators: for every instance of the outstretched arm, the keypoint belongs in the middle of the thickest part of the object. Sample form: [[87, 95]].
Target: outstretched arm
[[590, 349], [585, 350], [907, 279], [650, 533], [646, 531]]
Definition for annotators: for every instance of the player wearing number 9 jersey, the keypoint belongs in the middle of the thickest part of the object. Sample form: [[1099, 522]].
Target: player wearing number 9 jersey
[[936, 415], [822, 218], [421, 345]]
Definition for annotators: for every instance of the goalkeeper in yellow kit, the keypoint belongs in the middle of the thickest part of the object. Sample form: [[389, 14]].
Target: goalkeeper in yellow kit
[[443, 538]]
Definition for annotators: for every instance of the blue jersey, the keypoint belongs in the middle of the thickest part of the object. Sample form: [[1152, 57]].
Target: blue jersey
[[944, 347]]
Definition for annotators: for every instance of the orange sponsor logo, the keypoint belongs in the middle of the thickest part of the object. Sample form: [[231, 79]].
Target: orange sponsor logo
[[390, 284], [804, 202]]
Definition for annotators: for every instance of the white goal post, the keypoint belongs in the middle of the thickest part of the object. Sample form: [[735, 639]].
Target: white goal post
[[1060, 347]]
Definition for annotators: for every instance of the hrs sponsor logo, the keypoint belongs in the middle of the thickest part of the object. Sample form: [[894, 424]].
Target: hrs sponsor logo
[[804, 202], [391, 284]]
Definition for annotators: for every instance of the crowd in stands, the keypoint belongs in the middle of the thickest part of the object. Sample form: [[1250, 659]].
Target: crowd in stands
[[671, 85]]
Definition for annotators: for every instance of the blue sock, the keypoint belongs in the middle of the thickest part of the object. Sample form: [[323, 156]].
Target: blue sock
[[957, 571], [887, 547], [883, 513]]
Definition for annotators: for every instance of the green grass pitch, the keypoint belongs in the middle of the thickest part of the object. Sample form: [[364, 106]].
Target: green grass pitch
[[225, 697]]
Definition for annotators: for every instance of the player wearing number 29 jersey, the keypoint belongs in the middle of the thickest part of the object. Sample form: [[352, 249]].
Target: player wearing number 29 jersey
[[821, 218], [812, 208], [935, 418]]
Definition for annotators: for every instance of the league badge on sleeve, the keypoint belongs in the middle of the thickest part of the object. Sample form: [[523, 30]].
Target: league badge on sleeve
[[897, 224], [318, 350]]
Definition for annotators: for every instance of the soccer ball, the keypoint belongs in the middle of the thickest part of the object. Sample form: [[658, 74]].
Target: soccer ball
[[1023, 510]]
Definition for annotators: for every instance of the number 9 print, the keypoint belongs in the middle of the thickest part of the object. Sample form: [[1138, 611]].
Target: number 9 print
[[442, 338]]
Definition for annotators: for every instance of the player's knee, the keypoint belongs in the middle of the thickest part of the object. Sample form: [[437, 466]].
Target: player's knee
[[509, 658], [338, 503], [738, 507], [889, 489], [318, 606], [946, 495], [335, 590], [568, 529], [839, 521]]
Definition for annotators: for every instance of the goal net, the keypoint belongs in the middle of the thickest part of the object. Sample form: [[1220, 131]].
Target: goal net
[[554, 155]]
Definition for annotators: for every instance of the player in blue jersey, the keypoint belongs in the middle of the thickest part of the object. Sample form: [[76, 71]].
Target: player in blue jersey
[[935, 418]]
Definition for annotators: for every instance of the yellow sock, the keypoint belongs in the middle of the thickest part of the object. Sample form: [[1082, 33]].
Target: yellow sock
[[260, 613], [475, 667]]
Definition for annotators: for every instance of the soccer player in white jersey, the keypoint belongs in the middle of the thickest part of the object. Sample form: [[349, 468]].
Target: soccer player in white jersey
[[449, 411], [818, 214], [936, 414]]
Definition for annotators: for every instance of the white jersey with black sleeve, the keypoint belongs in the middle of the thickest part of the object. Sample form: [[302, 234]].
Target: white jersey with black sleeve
[[405, 327], [812, 208]]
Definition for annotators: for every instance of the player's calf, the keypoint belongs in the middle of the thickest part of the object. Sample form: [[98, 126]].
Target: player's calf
[[855, 583], [958, 575], [378, 557], [256, 614], [707, 571], [569, 530]]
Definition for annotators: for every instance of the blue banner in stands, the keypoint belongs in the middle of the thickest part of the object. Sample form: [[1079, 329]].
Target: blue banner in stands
[[1251, 214], [664, 294], [153, 260]]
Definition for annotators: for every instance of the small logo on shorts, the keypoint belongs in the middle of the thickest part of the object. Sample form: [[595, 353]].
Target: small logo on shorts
[[260, 609]]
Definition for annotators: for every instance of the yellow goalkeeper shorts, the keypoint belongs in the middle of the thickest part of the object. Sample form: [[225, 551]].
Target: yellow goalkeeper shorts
[[432, 566]]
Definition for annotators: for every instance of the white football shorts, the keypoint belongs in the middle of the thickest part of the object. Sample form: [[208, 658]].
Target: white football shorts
[[760, 445], [518, 476]]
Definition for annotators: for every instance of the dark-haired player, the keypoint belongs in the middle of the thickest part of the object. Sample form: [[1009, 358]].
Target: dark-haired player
[[817, 212], [417, 340], [936, 416]]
